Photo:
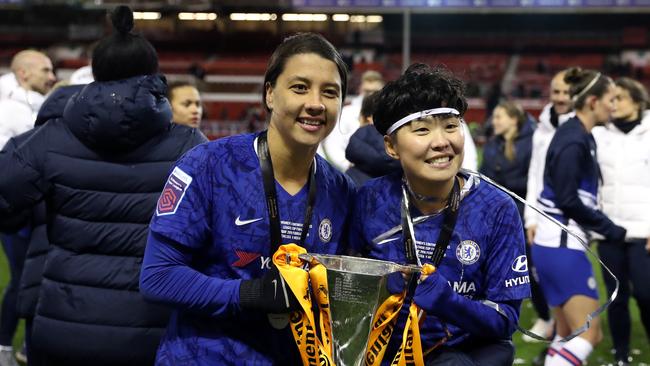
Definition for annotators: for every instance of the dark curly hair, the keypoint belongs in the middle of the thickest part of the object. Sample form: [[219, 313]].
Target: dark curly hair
[[421, 87]]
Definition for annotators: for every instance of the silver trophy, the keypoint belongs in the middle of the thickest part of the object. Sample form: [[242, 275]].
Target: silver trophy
[[357, 286]]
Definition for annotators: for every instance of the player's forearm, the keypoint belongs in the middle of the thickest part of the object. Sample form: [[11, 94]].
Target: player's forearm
[[167, 278], [436, 297], [478, 318], [592, 219]]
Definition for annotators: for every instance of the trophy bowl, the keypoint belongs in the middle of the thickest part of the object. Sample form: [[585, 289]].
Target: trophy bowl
[[357, 286]]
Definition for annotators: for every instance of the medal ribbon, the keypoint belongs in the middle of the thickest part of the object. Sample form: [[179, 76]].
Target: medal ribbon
[[382, 329], [312, 350], [410, 352]]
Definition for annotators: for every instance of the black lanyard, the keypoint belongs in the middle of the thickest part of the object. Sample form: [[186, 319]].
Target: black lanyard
[[272, 197], [447, 229]]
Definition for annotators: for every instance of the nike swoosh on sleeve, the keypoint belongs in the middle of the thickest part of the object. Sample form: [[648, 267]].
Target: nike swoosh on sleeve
[[240, 222]]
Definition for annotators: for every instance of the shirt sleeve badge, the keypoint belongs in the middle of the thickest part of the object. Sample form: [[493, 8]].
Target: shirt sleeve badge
[[173, 193]]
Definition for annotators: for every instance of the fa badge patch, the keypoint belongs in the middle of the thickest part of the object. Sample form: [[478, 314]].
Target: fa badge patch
[[173, 193], [468, 252], [325, 230]]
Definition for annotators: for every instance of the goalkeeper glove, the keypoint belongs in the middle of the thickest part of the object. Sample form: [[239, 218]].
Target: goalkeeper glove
[[269, 294]]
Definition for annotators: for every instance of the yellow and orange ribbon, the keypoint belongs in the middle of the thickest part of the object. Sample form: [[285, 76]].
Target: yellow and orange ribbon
[[410, 352], [382, 329], [313, 351]]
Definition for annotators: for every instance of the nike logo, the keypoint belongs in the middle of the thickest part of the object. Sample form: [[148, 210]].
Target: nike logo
[[275, 289], [240, 222]]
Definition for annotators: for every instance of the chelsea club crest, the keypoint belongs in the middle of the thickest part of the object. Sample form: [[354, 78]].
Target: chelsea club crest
[[468, 252], [325, 230]]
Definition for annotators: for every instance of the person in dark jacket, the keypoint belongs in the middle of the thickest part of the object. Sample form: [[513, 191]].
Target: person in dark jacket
[[100, 169], [506, 156], [366, 148], [36, 245]]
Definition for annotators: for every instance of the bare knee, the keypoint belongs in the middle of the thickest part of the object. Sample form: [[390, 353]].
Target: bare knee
[[594, 334]]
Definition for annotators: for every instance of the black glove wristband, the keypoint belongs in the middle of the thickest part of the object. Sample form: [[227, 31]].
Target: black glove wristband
[[270, 294]]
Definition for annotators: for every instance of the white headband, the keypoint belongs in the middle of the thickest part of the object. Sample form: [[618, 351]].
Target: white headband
[[586, 89], [417, 115]]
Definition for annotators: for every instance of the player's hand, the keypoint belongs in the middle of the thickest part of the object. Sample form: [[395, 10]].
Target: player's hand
[[647, 245], [269, 294], [396, 282], [432, 292], [530, 234]]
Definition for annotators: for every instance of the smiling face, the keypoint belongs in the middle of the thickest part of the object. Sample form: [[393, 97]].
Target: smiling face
[[186, 106], [430, 151], [560, 96], [305, 101]]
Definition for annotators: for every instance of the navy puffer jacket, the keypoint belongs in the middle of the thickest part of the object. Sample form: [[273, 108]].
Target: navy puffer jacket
[[30, 281], [510, 174], [100, 169]]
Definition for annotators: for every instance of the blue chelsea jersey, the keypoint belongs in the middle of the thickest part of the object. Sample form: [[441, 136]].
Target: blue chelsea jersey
[[214, 203], [571, 171], [485, 258]]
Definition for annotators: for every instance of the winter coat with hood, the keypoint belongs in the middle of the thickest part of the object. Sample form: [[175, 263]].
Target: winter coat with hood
[[366, 151], [30, 281], [510, 174], [18, 112], [624, 160], [100, 169]]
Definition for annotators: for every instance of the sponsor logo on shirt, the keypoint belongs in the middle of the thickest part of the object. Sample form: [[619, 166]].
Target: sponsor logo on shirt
[[325, 230], [517, 281], [463, 287], [520, 264], [265, 262], [244, 258], [468, 252], [173, 193]]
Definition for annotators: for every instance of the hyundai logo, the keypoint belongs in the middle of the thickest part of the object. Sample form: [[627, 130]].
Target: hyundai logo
[[520, 264]]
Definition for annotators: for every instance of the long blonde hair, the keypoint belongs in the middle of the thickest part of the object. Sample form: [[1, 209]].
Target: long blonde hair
[[513, 110]]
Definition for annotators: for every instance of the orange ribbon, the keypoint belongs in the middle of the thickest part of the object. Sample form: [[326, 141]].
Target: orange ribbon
[[313, 350], [410, 352]]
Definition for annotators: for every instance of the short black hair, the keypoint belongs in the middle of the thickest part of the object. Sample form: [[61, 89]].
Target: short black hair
[[421, 87], [579, 79], [302, 43], [123, 54]]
